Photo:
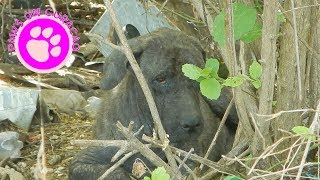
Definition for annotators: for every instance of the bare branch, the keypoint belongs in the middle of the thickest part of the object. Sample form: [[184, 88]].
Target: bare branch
[[106, 41], [144, 86], [117, 164], [314, 126], [296, 45], [213, 143]]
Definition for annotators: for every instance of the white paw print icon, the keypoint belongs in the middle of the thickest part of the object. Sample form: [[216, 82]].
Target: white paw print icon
[[39, 49]]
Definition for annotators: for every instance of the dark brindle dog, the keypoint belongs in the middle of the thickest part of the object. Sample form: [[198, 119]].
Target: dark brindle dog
[[189, 119]]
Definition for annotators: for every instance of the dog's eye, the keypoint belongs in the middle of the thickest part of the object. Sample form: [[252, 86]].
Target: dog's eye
[[161, 80]]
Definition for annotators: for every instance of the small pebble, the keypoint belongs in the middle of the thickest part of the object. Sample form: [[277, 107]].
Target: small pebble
[[60, 168], [54, 160], [22, 164], [54, 137], [69, 147]]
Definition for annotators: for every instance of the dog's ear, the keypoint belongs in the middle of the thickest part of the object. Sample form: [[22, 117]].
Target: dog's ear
[[116, 65]]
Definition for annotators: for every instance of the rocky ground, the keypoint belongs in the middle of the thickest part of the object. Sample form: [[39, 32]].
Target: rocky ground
[[59, 150]]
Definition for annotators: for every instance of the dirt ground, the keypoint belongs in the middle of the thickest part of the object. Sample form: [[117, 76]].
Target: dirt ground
[[59, 150]]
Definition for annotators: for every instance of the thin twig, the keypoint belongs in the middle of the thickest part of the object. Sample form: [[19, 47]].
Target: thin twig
[[193, 157], [117, 164], [144, 86], [106, 41], [301, 7], [278, 173], [214, 141], [52, 5], [68, 10], [144, 150], [41, 169], [254, 122], [313, 127], [296, 50], [288, 163], [163, 5], [275, 115], [213, 6], [104, 143], [183, 161], [2, 26], [186, 167]]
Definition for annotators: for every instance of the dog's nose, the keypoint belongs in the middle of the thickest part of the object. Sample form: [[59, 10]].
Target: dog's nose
[[190, 123]]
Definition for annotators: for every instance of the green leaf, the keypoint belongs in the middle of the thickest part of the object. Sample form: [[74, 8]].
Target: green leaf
[[146, 178], [160, 174], [218, 29], [253, 34], [206, 72], [210, 88], [281, 18], [232, 178], [244, 19], [303, 132], [255, 70], [213, 66], [234, 81], [191, 71], [256, 83], [274, 103]]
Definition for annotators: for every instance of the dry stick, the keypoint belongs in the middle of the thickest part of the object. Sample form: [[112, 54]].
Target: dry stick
[[185, 158], [287, 163], [104, 143], [68, 9], [10, 7], [240, 148], [52, 5], [314, 125], [244, 165], [41, 157], [192, 157], [275, 115], [184, 16], [301, 7], [214, 141], [117, 164], [297, 50], [2, 25], [213, 6], [184, 161], [163, 5], [258, 130], [144, 150], [280, 172], [144, 86], [186, 167], [106, 41]]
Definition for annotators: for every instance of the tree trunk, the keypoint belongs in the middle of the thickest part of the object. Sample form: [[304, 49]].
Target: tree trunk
[[288, 95]]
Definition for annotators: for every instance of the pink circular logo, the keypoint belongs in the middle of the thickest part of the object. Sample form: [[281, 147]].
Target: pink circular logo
[[43, 44]]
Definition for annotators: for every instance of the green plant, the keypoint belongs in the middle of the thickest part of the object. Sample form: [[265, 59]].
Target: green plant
[[232, 178], [158, 174], [244, 23], [245, 29], [207, 77], [255, 72], [210, 82], [303, 132]]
